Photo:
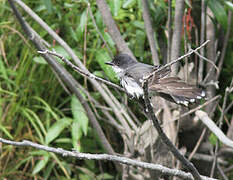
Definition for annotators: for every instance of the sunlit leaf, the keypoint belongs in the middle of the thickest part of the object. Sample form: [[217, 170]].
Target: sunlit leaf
[[80, 117], [117, 6], [6, 132], [128, 3], [229, 4], [82, 23], [76, 132]]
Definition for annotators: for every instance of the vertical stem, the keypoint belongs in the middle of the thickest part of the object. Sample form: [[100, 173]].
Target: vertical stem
[[203, 24], [169, 26], [149, 31], [176, 38]]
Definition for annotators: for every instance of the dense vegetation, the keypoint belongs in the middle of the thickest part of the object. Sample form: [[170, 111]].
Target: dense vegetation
[[34, 104]]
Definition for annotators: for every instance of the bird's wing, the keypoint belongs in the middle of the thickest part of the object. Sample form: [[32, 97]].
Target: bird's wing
[[138, 70], [146, 69]]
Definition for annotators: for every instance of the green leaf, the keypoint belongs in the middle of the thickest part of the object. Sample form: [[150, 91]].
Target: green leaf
[[139, 24], [116, 7], [108, 38], [128, 3], [48, 170], [48, 5], [218, 11], [82, 23], [103, 57], [41, 164], [6, 132], [76, 135], [39, 60], [140, 41], [229, 4], [213, 139], [61, 51], [105, 176], [80, 117], [56, 129]]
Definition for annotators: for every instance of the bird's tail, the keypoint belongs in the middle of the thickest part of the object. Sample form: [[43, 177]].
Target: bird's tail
[[176, 90]]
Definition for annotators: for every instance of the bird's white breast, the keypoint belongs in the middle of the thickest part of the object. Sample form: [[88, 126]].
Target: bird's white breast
[[132, 87], [129, 84]]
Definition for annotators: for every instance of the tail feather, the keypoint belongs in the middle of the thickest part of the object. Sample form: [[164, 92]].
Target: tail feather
[[176, 90]]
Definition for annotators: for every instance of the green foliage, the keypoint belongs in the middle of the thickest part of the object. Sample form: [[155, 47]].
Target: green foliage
[[33, 103], [218, 11]]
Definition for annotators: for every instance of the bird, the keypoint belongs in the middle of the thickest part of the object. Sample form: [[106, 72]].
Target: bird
[[131, 73]]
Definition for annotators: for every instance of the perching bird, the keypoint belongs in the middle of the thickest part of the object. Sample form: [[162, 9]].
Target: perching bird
[[131, 73]]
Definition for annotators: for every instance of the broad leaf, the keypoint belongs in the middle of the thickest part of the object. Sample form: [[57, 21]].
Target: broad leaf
[[103, 57], [79, 115], [218, 11], [56, 129]]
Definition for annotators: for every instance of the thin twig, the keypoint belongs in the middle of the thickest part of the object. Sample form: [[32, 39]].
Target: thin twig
[[169, 26], [209, 61], [197, 145], [77, 69], [203, 29], [176, 60], [210, 70], [221, 172]]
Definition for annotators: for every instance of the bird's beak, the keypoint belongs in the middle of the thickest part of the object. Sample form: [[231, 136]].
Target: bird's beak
[[109, 63]]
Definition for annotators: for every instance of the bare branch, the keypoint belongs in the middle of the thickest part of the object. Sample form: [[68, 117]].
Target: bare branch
[[112, 28], [203, 116], [209, 61], [203, 24], [169, 26], [77, 69], [123, 160]]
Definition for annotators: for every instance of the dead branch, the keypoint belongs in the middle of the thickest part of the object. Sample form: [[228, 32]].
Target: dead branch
[[103, 157]]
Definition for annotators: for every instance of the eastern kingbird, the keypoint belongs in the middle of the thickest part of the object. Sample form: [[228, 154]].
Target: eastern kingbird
[[131, 73]]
